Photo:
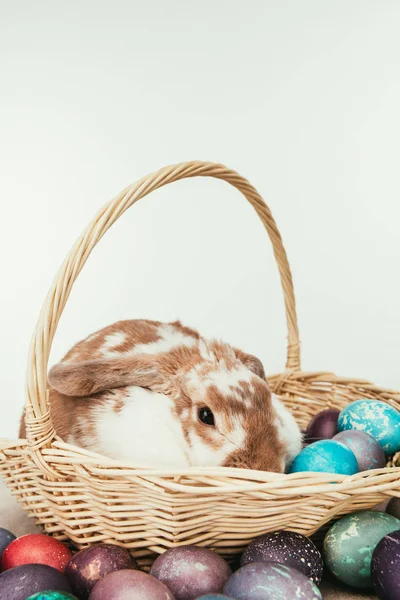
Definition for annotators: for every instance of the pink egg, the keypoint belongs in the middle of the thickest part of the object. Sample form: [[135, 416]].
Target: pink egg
[[191, 571], [130, 585]]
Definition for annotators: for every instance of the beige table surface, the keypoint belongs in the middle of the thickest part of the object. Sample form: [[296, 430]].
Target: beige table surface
[[332, 589]]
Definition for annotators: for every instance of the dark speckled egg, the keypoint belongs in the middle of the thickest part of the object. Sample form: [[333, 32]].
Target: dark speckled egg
[[288, 548], [385, 567], [130, 585], [191, 571], [91, 564], [393, 507], [366, 449], [350, 542], [21, 582], [261, 580]]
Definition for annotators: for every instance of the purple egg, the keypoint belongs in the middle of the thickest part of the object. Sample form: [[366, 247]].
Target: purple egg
[[130, 585], [393, 507], [24, 581], [385, 567], [367, 450], [261, 580], [215, 597], [6, 537], [191, 571], [288, 548], [91, 564], [323, 426]]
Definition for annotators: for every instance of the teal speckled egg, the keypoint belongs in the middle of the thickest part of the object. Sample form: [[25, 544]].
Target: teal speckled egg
[[325, 456], [377, 418], [52, 595], [349, 544]]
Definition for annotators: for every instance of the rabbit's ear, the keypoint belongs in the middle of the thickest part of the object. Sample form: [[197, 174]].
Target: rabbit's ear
[[91, 376], [251, 362]]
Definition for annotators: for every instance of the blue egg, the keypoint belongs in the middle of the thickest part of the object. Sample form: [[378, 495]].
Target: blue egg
[[325, 456], [6, 537], [379, 419]]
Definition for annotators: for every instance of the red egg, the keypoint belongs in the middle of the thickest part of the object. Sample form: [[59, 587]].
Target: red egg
[[36, 548]]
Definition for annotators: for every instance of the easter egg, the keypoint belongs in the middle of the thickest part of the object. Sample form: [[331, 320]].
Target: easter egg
[[24, 581], [377, 418], [36, 548], [6, 537], [350, 542], [52, 595], [191, 571], [366, 449], [323, 426], [385, 567], [288, 548], [130, 585], [261, 580], [215, 597], [325, 456], [393, 507], [91, 564]]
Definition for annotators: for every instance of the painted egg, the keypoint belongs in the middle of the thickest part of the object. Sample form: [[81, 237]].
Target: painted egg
[[261, 580], [393, 507], [191, 571], [36, 548], [350, 542], [288, 548], [323, 426], [325, 456], [52, 595], [377, 418], [91, 564], [366, 449], [24, 581], [215, 597], [130, 585], [385, 567], [6, 537]]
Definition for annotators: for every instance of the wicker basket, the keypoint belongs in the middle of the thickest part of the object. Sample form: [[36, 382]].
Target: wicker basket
[[86, 498]]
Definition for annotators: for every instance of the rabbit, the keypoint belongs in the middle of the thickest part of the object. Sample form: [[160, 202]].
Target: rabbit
[[158, 395]]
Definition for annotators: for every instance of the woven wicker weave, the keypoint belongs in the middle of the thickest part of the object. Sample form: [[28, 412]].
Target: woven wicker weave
[[86, 498]]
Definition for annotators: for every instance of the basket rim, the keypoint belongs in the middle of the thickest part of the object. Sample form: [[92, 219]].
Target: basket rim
[[216, 480]]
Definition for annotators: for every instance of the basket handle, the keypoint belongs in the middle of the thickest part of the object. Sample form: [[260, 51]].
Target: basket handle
[[38, 421]]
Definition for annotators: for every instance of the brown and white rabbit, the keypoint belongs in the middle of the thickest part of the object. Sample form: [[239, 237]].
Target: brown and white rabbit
[[159, 395]]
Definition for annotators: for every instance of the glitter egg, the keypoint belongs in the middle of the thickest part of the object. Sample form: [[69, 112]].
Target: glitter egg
[[288, 548]]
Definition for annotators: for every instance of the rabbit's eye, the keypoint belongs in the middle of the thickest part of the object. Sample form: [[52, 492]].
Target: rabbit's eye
[[206, 416]]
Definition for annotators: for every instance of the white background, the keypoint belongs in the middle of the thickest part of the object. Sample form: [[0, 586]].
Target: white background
[[301, 97]]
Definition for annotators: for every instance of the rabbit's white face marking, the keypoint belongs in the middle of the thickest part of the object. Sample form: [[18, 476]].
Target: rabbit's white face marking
[[288, 430], [136, 434], [112, 341], [169, 338], [227, 381]]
